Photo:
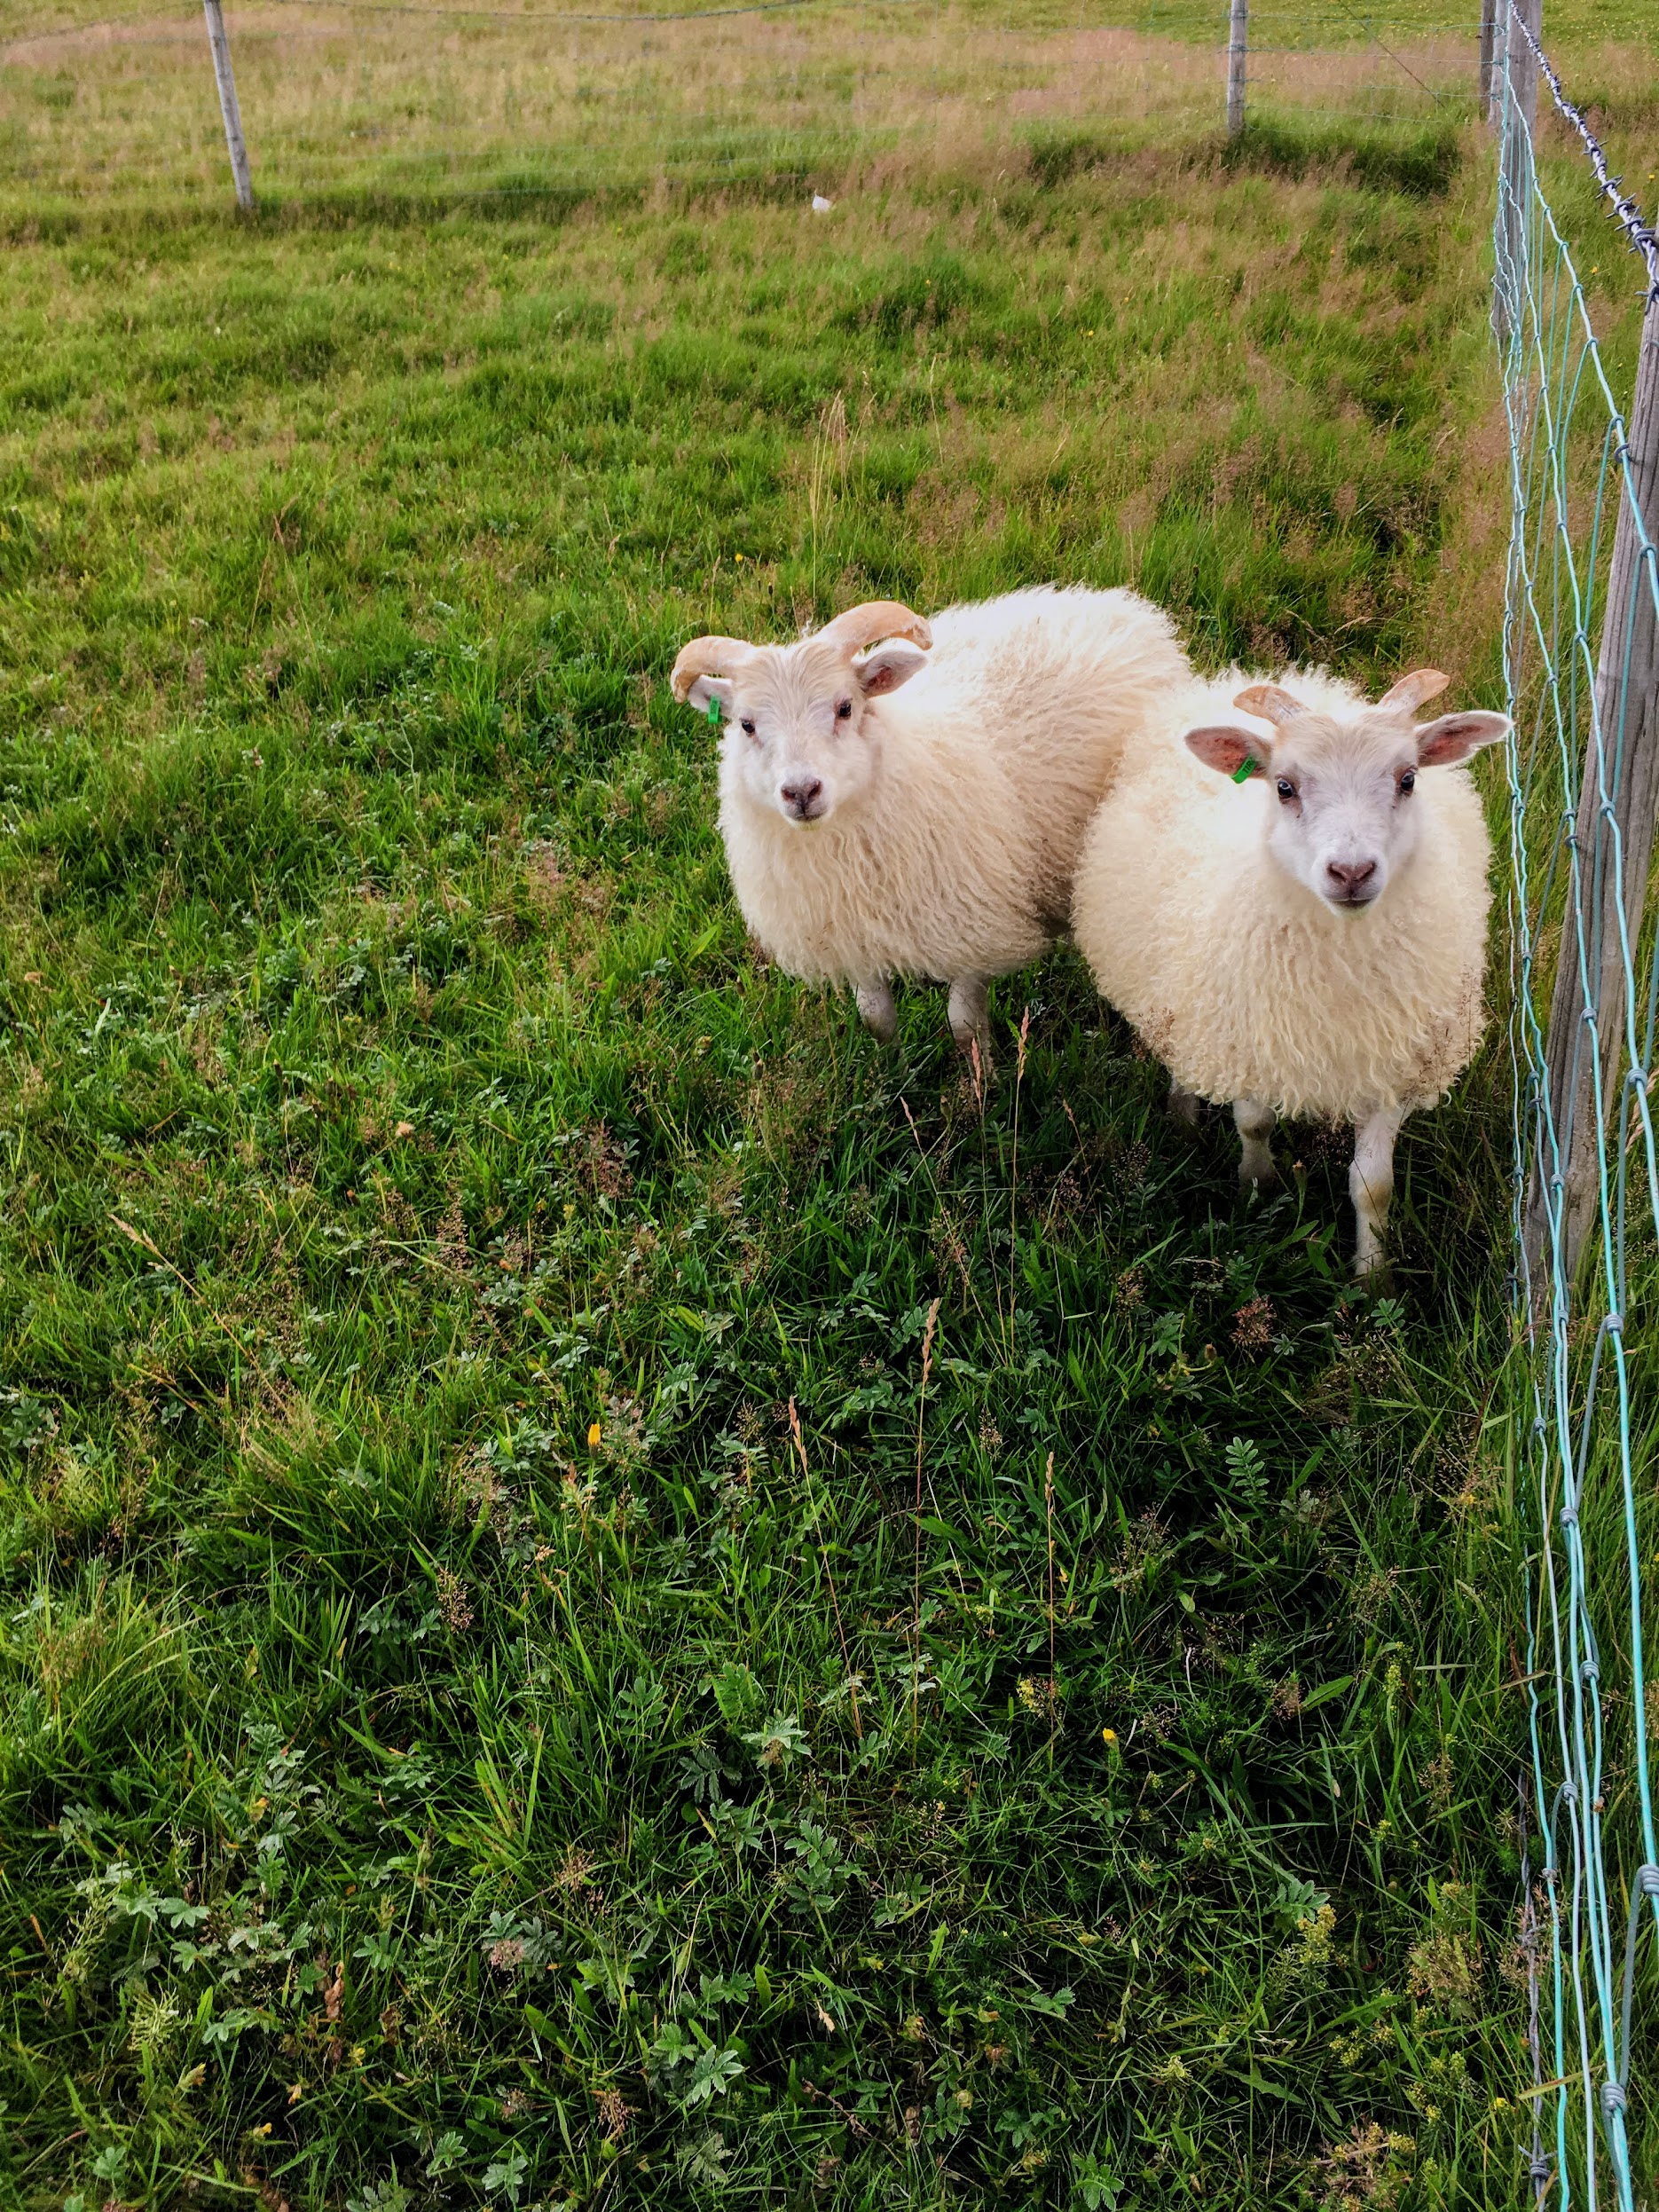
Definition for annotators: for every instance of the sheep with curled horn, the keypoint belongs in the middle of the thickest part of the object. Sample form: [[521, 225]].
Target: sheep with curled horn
[[1287, 895], [907, 798]]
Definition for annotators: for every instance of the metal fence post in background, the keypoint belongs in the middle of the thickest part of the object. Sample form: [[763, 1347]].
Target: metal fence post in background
[[1585, 1086], [221, 49], [1237, 46]]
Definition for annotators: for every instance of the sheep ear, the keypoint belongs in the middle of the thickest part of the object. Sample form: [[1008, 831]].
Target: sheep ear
[[888, 666], [708, 689], [1442, 743], [1235, 752]]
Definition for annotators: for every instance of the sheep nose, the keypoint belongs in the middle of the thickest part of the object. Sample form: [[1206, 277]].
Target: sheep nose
[[800, 797], [1349, 877]]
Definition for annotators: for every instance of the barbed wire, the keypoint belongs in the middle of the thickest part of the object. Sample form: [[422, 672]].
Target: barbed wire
[[499, 15], [1394, 56], [509, 15], [1641, 235], [77, 31]]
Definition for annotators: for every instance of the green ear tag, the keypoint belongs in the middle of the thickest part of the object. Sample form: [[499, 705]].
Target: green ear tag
[[1245, 770], [714, 714]]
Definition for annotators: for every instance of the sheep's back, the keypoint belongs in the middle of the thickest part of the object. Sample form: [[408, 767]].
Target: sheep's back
[[993, 758], [1057, 685]]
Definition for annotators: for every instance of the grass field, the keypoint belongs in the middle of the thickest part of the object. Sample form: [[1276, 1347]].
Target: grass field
[[374, 105], [611, 1596]]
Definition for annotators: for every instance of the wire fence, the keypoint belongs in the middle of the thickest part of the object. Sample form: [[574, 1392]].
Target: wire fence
[[424, 97], [1582, 616]]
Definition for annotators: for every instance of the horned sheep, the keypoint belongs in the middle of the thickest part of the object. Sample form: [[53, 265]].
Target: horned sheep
[[917, 808], [1304, 931]]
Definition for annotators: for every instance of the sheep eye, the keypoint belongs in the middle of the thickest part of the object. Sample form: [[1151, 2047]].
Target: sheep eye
[[1408, 781], [844, 710], [747, 726], [1287, 790]]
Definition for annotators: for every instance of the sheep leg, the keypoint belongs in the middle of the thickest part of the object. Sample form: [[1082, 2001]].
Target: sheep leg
[[1254, 1125], [877, 1010], [1370, 1184], [1183, 1105], [969, 1019]]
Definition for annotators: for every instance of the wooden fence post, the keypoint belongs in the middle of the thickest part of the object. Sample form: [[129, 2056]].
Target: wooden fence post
[[1515, 107], [220, 46], [1237, 47], [1584, 1100], [1523, 63], [1488, 33]]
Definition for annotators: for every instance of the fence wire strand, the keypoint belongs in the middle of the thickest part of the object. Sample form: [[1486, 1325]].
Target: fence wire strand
[[1626, 212], [1586, 1512]]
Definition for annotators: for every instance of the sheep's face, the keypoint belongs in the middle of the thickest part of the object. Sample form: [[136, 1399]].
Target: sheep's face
[[797, 731], [1343, 817], [1343, 805]]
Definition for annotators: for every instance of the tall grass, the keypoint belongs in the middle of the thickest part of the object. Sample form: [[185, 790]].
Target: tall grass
[[338, 102]]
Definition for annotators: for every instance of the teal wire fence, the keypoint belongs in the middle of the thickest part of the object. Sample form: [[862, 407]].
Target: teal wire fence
[[1579, 691]]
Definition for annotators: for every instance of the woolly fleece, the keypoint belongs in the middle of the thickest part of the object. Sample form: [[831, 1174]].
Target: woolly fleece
[[958, 860], [1246, 984]]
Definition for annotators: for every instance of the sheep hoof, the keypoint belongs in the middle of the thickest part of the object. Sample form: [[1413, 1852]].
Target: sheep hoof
[[1257, 1175]]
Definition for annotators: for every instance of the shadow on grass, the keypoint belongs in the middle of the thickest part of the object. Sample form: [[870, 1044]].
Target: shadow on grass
[[1419, 160]]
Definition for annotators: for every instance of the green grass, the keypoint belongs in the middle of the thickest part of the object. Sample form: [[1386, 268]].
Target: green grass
[[455, 1741]]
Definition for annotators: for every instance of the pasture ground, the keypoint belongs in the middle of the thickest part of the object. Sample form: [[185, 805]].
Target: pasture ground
[[460, 1738]]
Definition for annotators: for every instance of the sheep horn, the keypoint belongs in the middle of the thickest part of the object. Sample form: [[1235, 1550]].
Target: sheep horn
[[705, 657], [1411, 691], [1270, 702], [874, 620]]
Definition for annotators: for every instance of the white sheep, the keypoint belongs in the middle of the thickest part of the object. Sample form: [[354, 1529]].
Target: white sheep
[[872, 832], [1303, 932]]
